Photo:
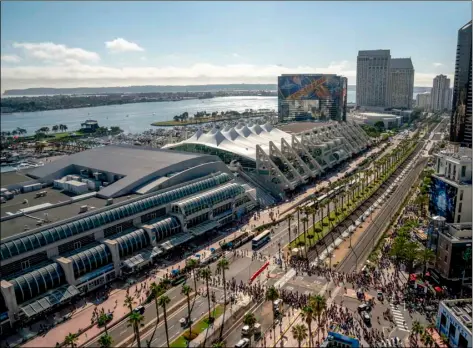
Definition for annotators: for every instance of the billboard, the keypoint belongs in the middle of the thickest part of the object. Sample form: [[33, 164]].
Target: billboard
[[320, 97], [443, 199]]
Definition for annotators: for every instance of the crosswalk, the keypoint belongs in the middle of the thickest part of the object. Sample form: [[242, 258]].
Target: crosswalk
[[398, 318]]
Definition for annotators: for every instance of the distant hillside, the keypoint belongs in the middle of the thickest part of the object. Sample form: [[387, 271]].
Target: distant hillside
[[156, 89]]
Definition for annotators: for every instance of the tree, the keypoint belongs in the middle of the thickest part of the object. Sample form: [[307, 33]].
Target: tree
[[135, 320], [129, 302], [155, 290], [206, 274], [425, 256], [427, 339], [307, 316], [272, 295], [250, 320], [103, 319], [417, 329], [305, 220], [64, 127], [319, 304], [299, 332], [55, 128], [163, 302], [219, 344], [71, 340], [192, 265], [222, 266], [289, 220], [186, 290], [105, 341]]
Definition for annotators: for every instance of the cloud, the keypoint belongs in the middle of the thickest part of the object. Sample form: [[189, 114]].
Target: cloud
[[10, 58], [122, 45], [48, 51], [437, 64], [73, 73], [236, 55]]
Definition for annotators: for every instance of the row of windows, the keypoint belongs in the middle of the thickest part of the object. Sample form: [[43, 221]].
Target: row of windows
[[198, 220], [40, 239], [209, 199], [9, 270], [37, 282], [166, 227], [132, 241], [90, 259]]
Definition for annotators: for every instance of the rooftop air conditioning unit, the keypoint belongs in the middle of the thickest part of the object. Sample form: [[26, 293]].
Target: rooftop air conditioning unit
[[109, 201], [83, 209]]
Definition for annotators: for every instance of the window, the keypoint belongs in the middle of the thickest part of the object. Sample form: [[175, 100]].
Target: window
[[443, 320], [77, 245], [458, 218], [25, 264], [446, 246], [460, 208], [119, 229], [461, 195], [463, 171], [445, 258]]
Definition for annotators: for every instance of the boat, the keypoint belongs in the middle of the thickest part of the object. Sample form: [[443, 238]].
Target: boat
[[28, 165]]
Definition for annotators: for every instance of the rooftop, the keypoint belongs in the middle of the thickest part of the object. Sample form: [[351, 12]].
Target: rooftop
[[401, 63], [134, 164], [375, 114], [461, 310], [17, 225], [374, 53]]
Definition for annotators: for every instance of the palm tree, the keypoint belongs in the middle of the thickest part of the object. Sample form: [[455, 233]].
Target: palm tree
[[135, 320], [250, 320], [219, 344], [304, 226], [426, 256], [417, 328], [163, 302], [299, 332], [206, 273], [71, 340], [272, 295], [55, 128], [427, 339], [186, 290], [289, 219], [319, 304], [222, 266], [192, 265], [103, 318], [155, 289], [307, 316], [129, 302], [105, 341], [299, 209]]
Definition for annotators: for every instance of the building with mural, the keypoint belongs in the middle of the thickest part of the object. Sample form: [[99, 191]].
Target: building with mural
[[319, 97]]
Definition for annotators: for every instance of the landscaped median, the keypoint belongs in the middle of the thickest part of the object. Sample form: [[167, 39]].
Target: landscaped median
[[197, 328], [325, 226]]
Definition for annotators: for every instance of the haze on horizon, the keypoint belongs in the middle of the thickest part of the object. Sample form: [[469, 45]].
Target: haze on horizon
[[107, 44]]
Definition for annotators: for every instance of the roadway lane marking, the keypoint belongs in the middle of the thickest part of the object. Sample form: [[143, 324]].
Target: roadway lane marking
[[171, 326]]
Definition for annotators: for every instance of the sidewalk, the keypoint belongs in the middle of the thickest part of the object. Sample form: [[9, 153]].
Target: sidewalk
[[81, 319]]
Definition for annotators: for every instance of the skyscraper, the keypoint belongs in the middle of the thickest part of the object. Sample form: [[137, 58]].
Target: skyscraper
[[440, 96], [460, 121], [423, 101], [401, 83], [372, 78]]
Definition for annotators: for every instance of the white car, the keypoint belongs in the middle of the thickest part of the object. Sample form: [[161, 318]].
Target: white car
[[243, 343]]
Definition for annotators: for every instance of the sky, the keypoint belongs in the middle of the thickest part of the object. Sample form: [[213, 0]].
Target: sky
[[92, 44]]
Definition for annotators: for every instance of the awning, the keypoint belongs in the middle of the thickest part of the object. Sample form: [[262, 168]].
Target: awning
[[140, 259], [49, 299], [178, 239], [412, 277], [202, 228], [438, 289]]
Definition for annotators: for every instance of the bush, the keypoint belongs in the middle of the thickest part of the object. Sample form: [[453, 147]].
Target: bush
[[190, 336], [317, 230]]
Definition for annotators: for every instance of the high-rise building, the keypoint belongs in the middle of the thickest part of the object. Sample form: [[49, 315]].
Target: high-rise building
[[460, 121], [372, 78], [440, 96], [312, 96], [423, 101], [401, 83]]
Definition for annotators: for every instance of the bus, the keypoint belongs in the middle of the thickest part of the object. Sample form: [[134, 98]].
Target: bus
[[261, 239]]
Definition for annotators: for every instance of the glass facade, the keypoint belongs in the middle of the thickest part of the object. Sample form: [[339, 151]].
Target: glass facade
[[166, 228], [90, 259], [208, 199], [43, 238], [131, 242], [37, 282], [312, 97]]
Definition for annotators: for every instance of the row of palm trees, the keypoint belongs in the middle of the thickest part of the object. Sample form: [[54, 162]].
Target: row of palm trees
[[425, 337], [357, 185]]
